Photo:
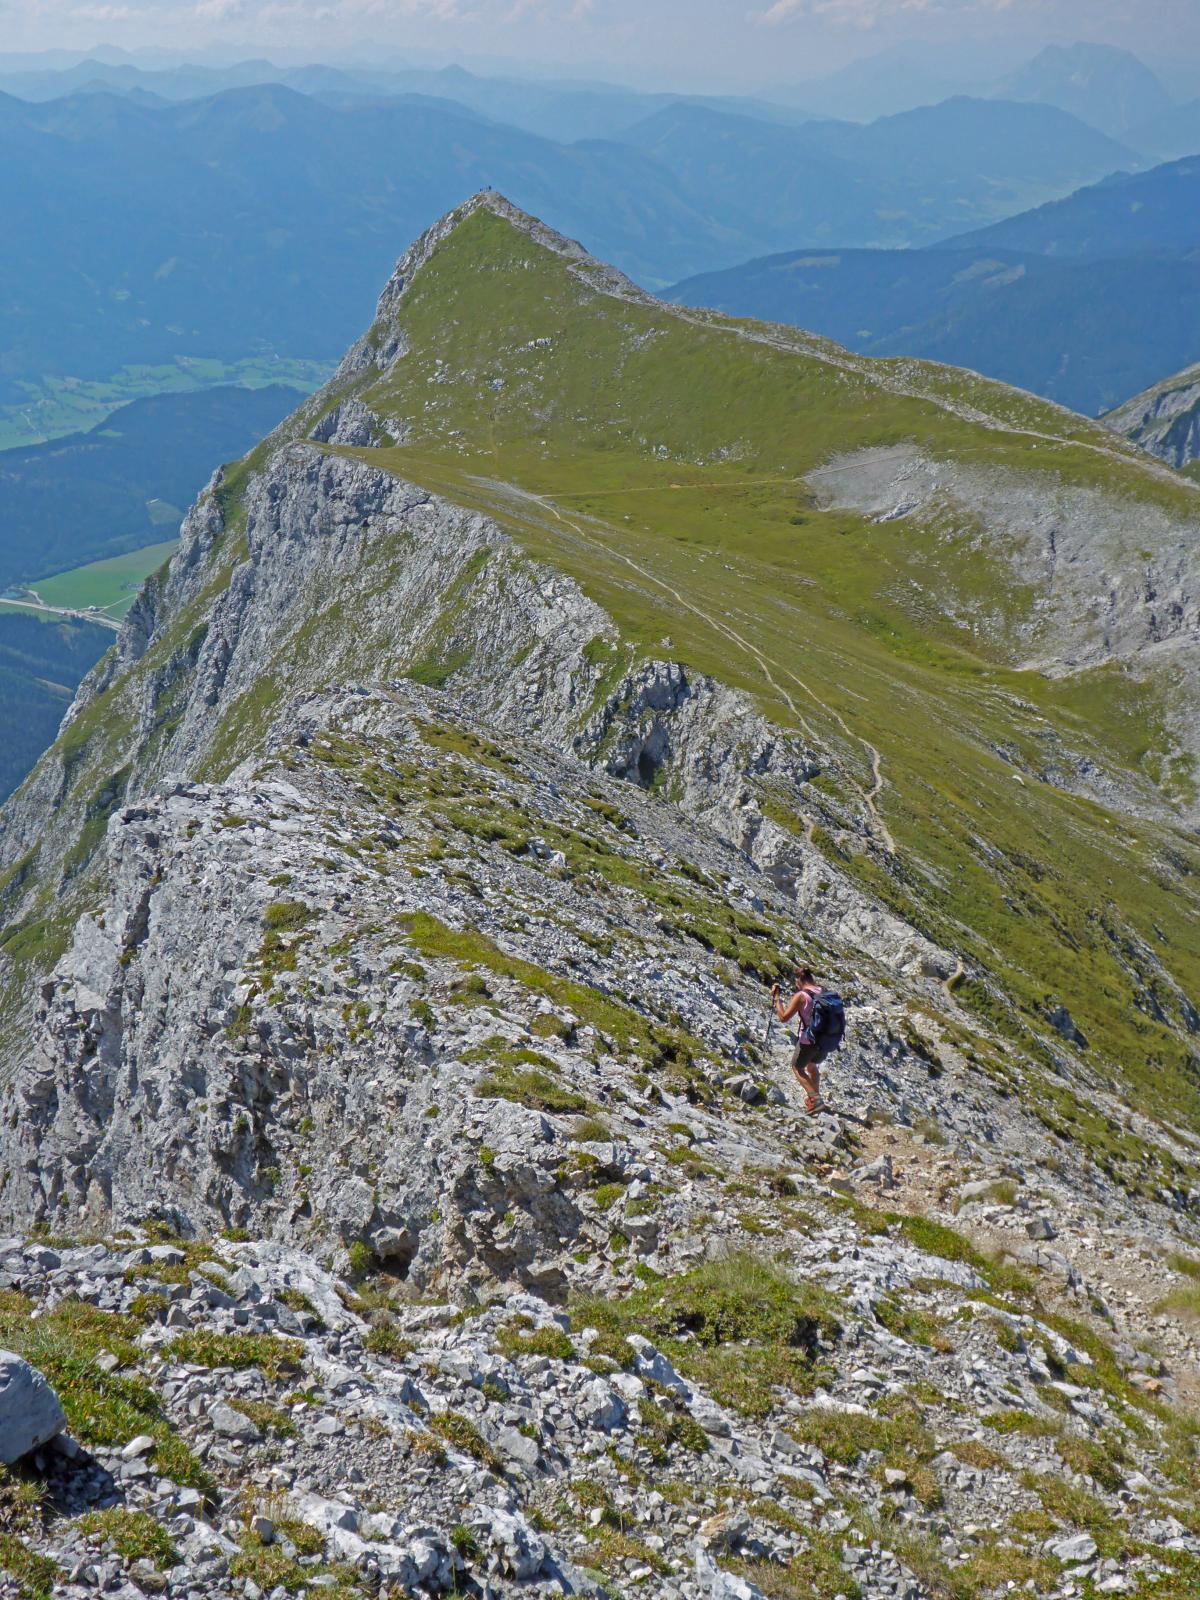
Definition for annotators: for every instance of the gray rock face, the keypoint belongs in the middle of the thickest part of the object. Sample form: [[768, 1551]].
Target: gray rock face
[[191, 1060], [1164, 420], [30, 1414], [1078, 548]]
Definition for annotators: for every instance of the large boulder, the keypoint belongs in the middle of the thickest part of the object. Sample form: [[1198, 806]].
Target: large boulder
[[30, 1414]]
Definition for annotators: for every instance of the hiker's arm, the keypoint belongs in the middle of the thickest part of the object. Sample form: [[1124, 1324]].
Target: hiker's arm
[[786, 1013]]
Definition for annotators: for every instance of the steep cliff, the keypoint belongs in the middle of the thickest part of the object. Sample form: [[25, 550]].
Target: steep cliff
[[1165, 420]]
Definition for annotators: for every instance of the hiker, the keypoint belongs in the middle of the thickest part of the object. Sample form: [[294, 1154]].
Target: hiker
[[822, 1022]]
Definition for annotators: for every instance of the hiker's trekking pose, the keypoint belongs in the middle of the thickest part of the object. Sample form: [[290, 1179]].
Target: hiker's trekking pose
[[822, 1022]]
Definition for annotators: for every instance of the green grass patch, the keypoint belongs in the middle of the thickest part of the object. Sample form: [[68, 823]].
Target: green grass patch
[[816, 1573], [266, 1417], [109, 585], [665, 1423], [530, 1086], [275, 1358], [383, 1340], [1022, 1422], [132, 1535], [462, 1434], [739, 1326], [469, 949], [35, 1576], [521, 1338], [101, 1408]]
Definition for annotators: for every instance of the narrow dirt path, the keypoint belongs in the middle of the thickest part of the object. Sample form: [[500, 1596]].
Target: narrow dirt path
[[869, 797]]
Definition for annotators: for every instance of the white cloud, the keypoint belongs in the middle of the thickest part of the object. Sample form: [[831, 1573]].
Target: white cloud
[[103, 13], [868, 13], [218, 10]]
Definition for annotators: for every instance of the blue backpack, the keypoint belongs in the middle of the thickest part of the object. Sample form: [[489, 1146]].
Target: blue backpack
[[827, 1023]]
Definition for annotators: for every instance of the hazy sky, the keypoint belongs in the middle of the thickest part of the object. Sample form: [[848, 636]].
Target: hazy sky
[[721, 39]]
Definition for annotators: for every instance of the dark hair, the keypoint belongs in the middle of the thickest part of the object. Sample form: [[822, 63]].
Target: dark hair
[[804, 975]]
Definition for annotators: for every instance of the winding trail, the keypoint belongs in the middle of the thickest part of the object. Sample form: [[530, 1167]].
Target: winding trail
[[883, 832]]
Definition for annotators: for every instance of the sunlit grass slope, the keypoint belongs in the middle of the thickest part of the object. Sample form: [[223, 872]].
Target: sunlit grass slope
[[660, 458]]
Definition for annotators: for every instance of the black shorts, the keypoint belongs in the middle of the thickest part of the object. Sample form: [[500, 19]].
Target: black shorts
[[806, 1055]]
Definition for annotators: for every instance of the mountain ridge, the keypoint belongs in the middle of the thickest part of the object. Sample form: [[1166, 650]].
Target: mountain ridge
[[351, 425], [386, 946]]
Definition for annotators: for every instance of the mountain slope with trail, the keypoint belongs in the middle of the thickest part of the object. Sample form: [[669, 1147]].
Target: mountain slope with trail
[[386, 946]]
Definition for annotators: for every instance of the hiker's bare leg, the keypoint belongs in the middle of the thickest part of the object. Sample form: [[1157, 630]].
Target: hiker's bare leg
[[809, 1078]]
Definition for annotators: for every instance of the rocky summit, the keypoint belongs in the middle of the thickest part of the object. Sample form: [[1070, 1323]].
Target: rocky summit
[[403, 1190]]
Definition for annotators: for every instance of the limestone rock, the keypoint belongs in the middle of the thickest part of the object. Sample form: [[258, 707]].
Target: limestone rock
[[30, 1414]]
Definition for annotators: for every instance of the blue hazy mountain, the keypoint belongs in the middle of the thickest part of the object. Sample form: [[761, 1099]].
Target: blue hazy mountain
[[264, 220], [1138, 214], [1108, 88], [915, 177], [111, 489], [1174, 134]]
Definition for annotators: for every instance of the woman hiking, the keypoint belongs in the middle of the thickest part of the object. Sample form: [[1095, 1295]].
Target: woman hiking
[[808, 1054]]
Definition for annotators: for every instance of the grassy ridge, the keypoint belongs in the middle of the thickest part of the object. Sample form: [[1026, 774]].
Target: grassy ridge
[[661, 462]]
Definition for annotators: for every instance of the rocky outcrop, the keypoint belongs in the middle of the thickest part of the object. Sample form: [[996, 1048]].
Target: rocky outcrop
[[1074, 546], [1164, 420], [897, 1414], [30, 1414], [227, 1010]]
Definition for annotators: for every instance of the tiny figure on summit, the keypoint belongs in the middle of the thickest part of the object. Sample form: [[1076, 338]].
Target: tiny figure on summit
[[821, 1027]]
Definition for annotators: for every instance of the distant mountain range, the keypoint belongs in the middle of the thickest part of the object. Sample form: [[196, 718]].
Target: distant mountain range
[[1084, 301], [562, 111], [1111, 90], [907, 179], [1146, 213], [259, 219], [1108, 88]]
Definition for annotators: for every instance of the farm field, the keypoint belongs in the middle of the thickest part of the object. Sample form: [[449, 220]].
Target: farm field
[[109, 585]]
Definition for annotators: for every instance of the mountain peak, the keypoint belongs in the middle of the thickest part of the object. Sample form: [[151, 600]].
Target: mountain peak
[[384, 340], [1110, 88]]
